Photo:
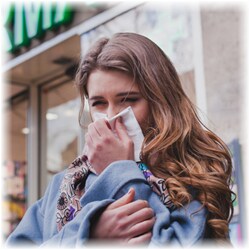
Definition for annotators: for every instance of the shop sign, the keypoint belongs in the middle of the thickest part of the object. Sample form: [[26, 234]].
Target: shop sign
[[24, 22]]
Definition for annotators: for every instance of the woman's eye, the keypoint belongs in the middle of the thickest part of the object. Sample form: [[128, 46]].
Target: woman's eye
[[129, 100], [97, 103]]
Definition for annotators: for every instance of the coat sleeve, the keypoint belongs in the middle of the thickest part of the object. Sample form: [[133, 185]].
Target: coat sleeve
[[180, 227], [38, 226]]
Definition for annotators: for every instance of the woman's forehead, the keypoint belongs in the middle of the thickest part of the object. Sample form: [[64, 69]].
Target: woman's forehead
[[101, 82]]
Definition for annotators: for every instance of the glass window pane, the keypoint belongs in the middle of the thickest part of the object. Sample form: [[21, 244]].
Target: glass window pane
[[14, 162], [62, 127]]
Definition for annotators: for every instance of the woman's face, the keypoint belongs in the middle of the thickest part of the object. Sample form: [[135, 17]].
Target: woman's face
[[112, 91]]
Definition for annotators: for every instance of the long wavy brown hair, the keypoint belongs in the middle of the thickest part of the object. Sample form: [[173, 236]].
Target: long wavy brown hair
[[177, 146]]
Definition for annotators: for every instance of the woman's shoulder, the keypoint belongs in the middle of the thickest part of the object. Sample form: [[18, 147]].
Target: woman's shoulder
[[57, 178]]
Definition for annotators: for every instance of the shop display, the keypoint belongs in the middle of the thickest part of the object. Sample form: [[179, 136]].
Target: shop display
[[14, 195]]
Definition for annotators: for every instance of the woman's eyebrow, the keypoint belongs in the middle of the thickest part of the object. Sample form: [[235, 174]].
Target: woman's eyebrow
[[96, 97], [129, 93], [121, 94]]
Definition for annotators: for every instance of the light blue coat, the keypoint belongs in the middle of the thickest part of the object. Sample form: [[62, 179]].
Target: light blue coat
[[178, 227]]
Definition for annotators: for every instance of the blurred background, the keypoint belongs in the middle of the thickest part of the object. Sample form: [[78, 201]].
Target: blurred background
[[42, 44]]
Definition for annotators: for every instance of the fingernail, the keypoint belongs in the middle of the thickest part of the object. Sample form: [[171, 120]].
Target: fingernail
[[108, 124], [130, 190]]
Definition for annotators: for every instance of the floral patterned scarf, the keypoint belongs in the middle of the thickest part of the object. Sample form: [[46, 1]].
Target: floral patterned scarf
[[73, 184]]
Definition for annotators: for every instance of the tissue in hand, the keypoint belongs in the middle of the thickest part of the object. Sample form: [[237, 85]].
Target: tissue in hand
[[131, 124]]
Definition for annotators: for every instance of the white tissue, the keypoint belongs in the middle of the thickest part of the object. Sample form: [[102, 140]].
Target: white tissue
[[131, 124]]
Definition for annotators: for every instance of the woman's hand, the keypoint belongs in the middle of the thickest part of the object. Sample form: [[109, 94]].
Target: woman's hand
[[103, 147], [126, 221]]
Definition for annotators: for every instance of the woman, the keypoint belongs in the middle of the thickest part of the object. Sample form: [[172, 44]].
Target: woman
[[192, 165]]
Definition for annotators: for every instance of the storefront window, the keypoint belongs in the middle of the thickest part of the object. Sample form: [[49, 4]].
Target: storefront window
[[14, 161], [61, 106]]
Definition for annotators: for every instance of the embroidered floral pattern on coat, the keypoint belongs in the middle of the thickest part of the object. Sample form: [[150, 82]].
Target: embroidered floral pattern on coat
[[73, 184]]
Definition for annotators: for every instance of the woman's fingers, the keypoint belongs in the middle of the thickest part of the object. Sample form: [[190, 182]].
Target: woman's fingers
[[103, 127], [140, 240], [121, 130], [88, 140], [93, 131], [138, 221], [133, 219], [125, 220], [143, 214], [135, 206], [125, 199], [104, 147], [143, 227]]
